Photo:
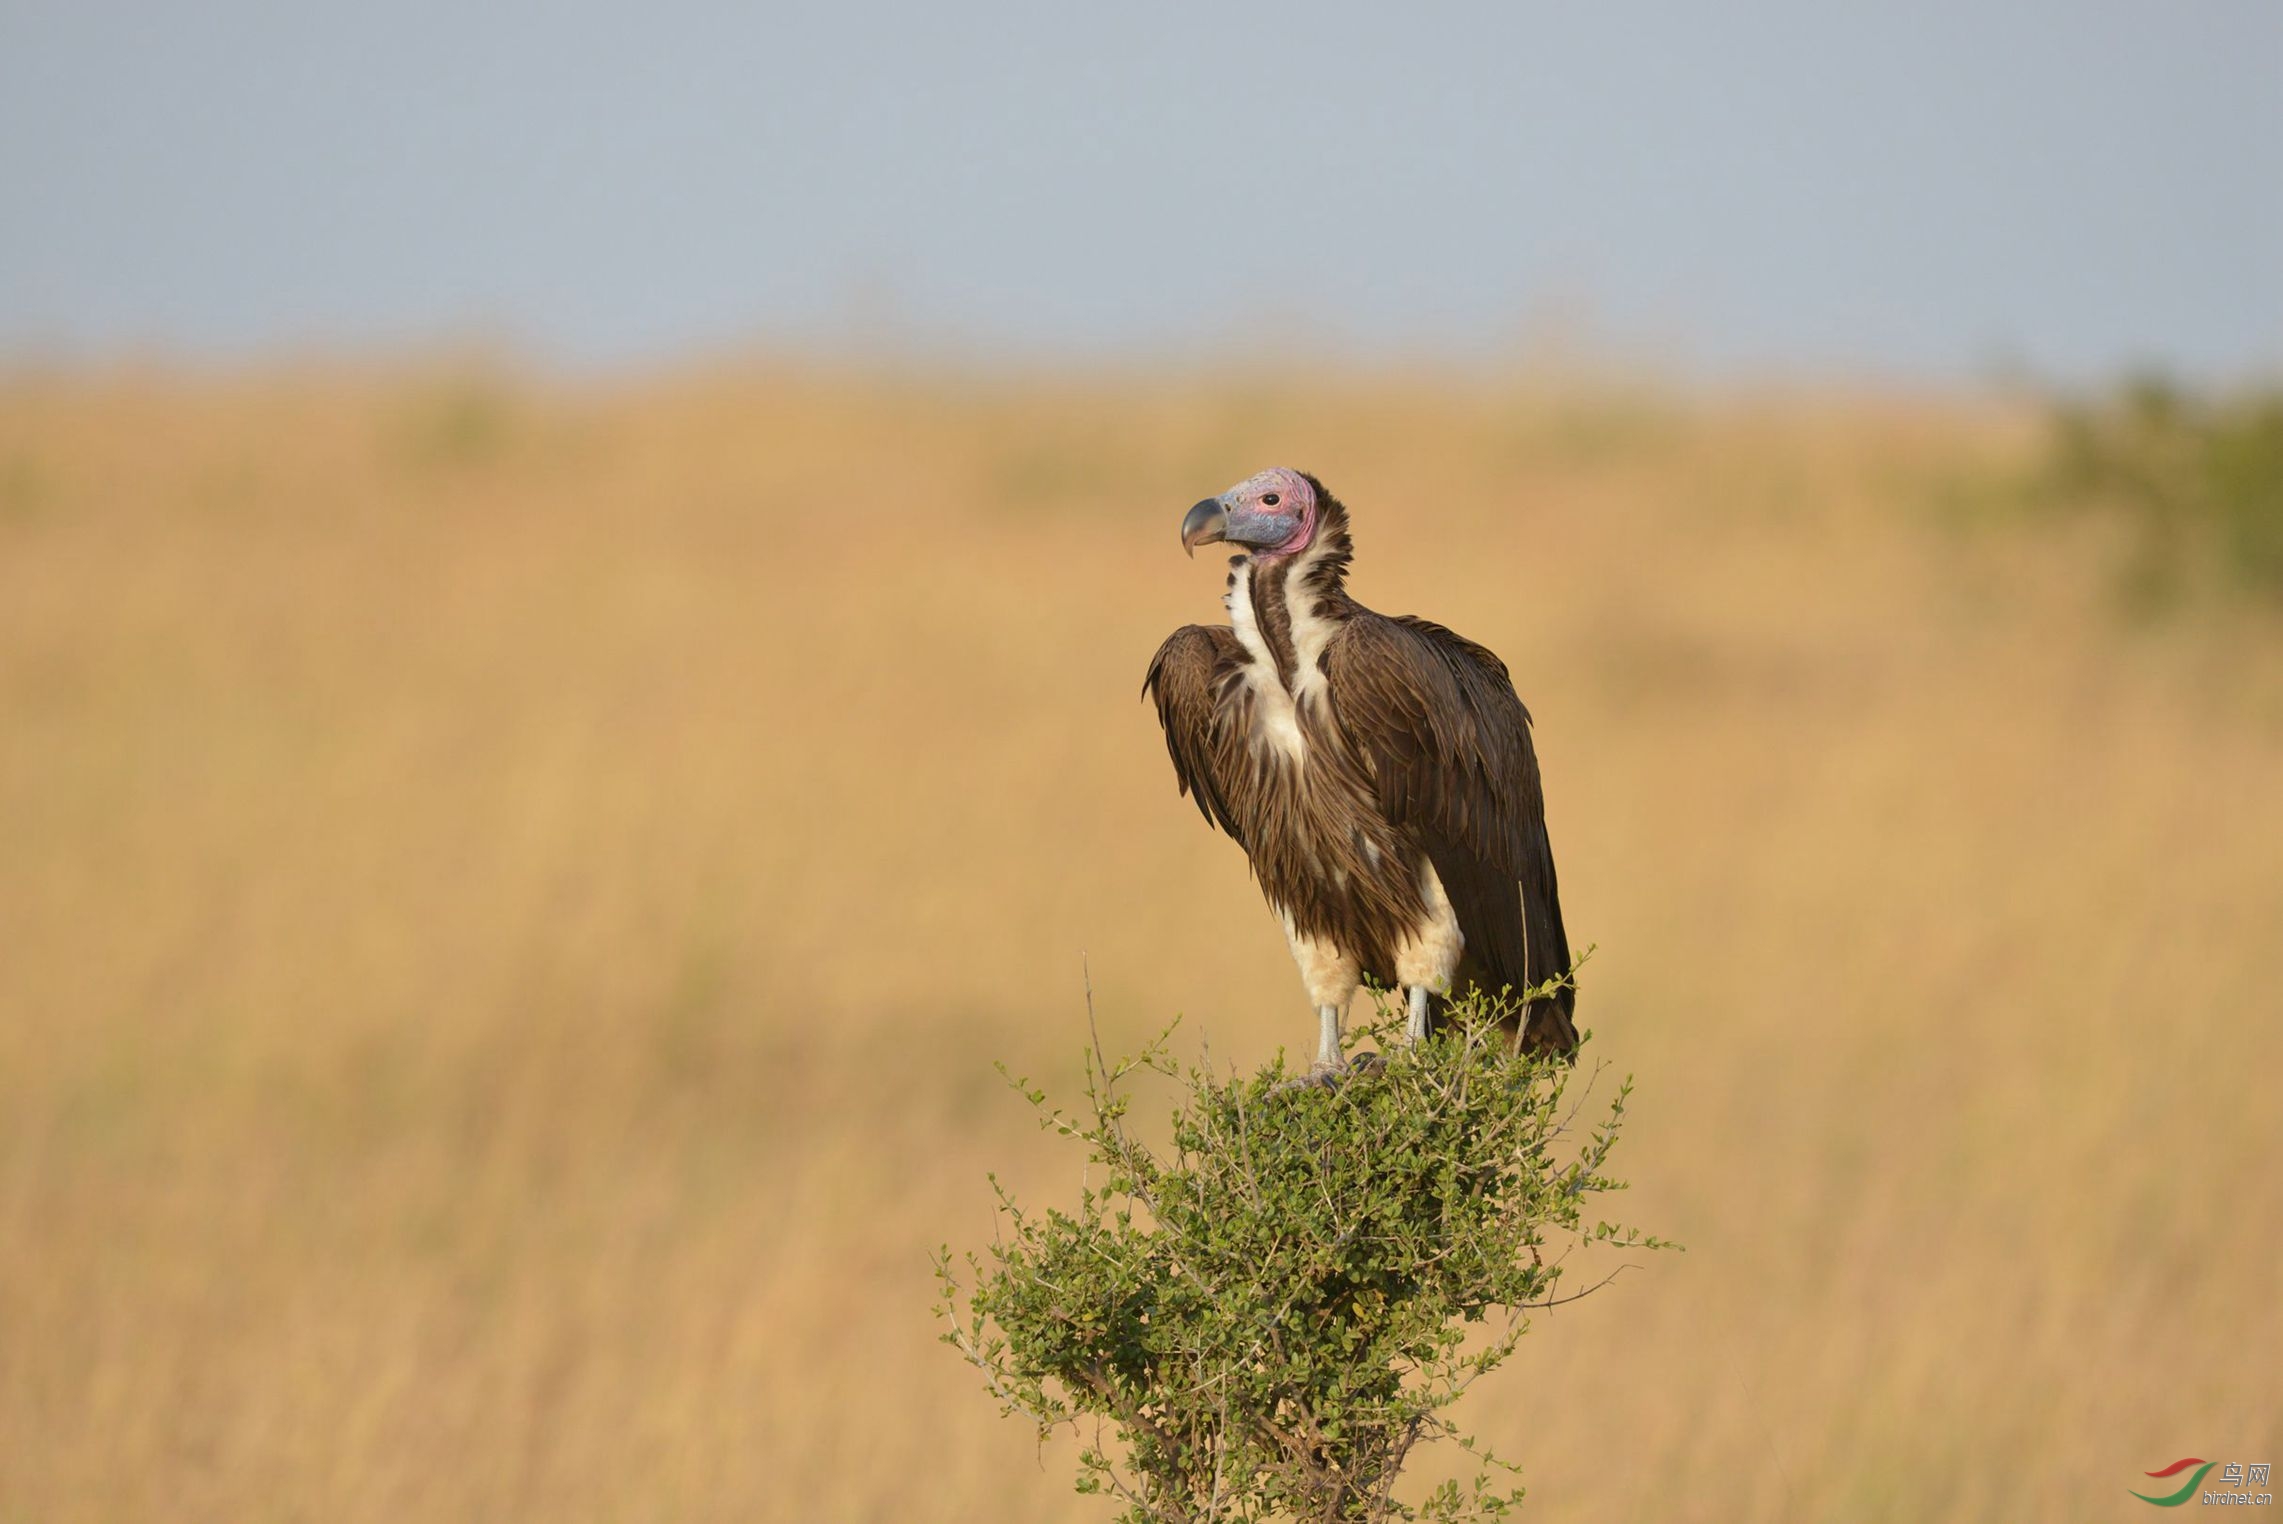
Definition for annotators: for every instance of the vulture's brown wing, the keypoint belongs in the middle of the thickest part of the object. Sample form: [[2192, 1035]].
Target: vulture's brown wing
[[1434, 718], [1188, 679]]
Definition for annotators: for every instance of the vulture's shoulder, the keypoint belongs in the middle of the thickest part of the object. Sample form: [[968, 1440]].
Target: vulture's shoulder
[[1194, 649], [1185, 682], [1185, 675]]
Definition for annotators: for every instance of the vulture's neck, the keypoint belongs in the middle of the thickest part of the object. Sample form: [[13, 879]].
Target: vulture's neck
[[1284, 609]]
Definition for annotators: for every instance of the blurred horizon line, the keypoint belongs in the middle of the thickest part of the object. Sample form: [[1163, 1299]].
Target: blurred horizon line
[[1571, 357]]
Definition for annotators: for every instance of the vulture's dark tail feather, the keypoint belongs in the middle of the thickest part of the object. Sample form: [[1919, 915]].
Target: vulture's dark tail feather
[[1552, 1022]]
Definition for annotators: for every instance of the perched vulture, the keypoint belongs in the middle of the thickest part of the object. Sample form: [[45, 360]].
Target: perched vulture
[[1377, 771]]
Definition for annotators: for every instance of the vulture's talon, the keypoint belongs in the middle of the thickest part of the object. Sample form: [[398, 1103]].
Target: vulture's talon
[[1320, 1076], [1323, 1076]]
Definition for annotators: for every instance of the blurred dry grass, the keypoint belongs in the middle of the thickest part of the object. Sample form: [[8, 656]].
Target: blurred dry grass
[[510, 896]]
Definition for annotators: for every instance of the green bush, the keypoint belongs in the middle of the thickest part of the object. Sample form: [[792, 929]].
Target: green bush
[[1266, 1318], [2199, 478]]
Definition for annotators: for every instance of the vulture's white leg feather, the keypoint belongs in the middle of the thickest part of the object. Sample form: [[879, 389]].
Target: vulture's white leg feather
[[1329, 975], [1426, 960], [1429, 957]]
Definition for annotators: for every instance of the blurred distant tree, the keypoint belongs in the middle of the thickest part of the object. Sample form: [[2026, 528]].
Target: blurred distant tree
[[2200, 478], [1271, 1315]]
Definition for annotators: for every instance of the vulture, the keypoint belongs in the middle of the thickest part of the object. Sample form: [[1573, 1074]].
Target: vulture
[[1377, 771]]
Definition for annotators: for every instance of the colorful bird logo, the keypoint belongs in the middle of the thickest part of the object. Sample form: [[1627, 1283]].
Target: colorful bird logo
[[2187, 1490]]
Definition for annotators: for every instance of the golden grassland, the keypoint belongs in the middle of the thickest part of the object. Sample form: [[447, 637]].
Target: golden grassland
[[512, 892]]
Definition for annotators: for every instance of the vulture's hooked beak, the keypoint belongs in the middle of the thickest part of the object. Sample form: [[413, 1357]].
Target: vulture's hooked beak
[[1206, 523]]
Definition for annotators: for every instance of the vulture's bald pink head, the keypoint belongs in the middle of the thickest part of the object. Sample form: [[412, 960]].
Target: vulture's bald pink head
[[1271, 513]]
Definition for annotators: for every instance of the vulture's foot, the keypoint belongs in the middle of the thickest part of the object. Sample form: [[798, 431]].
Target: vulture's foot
[[1330, 1076], [1320, 1076]]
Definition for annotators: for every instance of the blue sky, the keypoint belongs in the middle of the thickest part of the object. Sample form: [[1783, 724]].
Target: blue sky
[[1925, 191]]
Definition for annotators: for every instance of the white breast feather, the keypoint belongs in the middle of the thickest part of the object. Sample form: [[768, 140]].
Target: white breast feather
[[1276, 722], [1309, 637]]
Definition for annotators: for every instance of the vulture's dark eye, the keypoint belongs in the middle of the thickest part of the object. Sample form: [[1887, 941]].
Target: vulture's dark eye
[[1269, 501]]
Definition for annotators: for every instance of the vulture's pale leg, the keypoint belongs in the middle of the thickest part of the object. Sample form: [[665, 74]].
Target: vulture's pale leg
[[1416, 1027], [1427, 960], [1328, 1040], [1331, 977]]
